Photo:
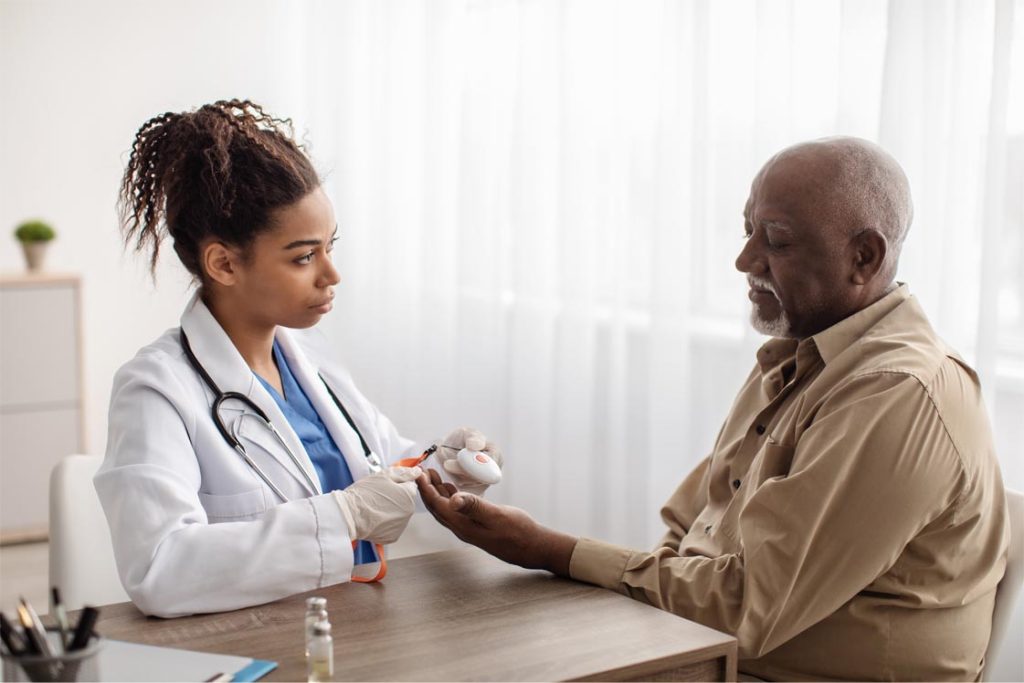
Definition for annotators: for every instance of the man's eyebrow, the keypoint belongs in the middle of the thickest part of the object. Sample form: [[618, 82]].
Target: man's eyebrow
[[776, 225], [309, 243]]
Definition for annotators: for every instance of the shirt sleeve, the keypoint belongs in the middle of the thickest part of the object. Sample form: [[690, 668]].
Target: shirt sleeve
[[685, 504], [872, 469]]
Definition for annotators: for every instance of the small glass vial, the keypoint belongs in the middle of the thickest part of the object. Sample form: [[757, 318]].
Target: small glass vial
[[314, 606], [320, 663]]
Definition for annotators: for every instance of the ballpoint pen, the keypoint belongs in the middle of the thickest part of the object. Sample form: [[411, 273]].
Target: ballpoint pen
[[60, 615]]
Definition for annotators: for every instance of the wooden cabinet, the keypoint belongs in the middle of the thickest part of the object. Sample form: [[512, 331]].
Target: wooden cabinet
[[41, 417]]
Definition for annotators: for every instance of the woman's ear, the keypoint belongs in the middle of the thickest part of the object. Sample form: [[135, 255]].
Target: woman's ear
[[220, 263], [869, 250]]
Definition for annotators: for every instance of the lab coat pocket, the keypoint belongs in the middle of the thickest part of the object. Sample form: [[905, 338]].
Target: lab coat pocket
[[235, 507]]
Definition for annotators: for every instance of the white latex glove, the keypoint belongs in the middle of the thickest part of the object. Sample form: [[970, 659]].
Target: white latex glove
[[448, 450], [377, 508]]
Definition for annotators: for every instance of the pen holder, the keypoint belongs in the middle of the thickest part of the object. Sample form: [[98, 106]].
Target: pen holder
[[78, 665]]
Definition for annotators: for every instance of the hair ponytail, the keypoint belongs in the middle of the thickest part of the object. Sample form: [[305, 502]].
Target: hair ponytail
[[218, 172]]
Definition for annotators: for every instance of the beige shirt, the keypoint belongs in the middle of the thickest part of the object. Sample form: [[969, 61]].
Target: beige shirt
[[850, 522]]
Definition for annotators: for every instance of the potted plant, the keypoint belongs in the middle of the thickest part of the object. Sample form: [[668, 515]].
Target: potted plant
[[34, 236]]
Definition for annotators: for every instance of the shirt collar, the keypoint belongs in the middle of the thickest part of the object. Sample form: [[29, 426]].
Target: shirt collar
[[829, 343], [836, 339]]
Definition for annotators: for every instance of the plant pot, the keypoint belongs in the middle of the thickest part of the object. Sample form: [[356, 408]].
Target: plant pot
[[35, 254]]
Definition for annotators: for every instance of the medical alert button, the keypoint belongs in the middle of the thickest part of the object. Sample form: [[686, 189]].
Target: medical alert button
[[480, 466]]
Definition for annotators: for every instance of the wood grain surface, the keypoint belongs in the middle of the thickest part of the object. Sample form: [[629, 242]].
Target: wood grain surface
[[453, 616]]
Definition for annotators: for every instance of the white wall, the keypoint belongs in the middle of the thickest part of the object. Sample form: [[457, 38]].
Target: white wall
[[76, 82]]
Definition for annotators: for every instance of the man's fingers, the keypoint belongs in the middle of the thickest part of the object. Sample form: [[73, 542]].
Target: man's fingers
[[473, 507]]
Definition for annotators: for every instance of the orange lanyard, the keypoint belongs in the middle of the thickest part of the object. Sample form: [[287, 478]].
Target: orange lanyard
[[383, 571]]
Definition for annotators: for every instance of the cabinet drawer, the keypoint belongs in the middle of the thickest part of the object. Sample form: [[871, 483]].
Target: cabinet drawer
[[39, 346]]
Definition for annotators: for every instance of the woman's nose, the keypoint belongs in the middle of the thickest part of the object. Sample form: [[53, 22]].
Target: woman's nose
[[330, 276]]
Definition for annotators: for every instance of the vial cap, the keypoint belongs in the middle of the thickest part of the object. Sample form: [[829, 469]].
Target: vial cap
[[316, 603]]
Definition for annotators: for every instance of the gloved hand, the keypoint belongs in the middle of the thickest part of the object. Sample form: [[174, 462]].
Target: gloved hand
[[377, 508], [448, 450]]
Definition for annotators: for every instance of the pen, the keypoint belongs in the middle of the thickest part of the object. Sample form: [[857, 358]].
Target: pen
[[60, 615], [35, 641], [83, 631], [12, 639]]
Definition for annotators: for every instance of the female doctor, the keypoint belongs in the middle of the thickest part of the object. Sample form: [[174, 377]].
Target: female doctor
[[242, 465]]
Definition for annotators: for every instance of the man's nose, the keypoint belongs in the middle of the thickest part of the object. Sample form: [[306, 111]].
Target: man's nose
[[749, 259]]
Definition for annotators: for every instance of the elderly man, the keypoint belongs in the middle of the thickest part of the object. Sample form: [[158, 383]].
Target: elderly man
[[850, 521]]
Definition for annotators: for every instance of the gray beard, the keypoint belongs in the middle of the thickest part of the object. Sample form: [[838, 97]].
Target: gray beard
[[779, 327]]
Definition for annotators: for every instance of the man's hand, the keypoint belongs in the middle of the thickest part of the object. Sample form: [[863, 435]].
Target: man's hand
[[506, 532]]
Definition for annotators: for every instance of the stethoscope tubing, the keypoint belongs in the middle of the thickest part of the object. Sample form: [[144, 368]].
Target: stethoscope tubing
[[232, 439], [256, 412]]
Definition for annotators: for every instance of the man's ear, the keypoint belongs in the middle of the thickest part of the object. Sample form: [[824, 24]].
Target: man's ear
[[220, 262], [869, 250]]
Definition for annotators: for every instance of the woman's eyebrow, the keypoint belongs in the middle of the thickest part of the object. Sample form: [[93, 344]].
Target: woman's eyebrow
[[309, 243]]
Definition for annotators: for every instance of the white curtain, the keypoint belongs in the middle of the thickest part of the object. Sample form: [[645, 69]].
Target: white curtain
[[539, 206]]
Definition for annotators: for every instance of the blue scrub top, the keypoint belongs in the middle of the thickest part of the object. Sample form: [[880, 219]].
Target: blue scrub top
[[327, 459]]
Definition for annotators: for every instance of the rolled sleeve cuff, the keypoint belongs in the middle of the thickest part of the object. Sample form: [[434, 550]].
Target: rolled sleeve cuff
[[599, 563]]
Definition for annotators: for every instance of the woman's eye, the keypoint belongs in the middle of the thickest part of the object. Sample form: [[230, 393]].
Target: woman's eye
[[305, 259]]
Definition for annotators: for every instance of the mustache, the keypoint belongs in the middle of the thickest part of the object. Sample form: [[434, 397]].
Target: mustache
[[756, 282]]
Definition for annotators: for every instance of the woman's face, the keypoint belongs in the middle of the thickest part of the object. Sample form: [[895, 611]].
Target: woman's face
[[288, 277]]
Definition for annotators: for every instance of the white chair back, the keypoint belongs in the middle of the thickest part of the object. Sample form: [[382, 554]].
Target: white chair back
[[1004, 660], [81, 553]]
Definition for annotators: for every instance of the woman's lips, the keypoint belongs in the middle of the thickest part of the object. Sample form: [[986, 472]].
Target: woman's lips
[[324, 307]]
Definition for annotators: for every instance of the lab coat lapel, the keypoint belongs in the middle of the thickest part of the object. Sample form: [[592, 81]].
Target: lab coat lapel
[[229, 371], [308, 376]]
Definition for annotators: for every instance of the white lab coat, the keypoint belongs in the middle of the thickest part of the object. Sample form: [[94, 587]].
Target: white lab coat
[[194, 528]]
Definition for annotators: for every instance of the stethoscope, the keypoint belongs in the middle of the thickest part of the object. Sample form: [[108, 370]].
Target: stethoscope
[[374, 461]]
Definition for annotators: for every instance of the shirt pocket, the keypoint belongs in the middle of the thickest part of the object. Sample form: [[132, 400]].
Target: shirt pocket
[[775, 462], [235, 507]]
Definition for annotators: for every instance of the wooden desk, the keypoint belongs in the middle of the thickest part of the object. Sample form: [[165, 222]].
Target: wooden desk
[[455, 616]]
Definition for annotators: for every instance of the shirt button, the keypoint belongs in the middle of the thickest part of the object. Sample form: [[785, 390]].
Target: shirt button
[[735, 483], [759, 429]]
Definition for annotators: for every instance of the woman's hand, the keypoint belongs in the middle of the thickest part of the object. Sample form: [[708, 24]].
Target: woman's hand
[[448, 450], [377, 508]]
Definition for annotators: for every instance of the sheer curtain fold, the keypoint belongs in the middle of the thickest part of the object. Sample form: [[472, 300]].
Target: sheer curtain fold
[[539, 205]]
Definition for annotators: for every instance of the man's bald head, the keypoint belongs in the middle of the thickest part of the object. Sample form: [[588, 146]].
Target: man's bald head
[[859, 186], [825, 222]]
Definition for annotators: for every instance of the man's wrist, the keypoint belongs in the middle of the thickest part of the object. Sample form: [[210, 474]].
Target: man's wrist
[[559, 552]]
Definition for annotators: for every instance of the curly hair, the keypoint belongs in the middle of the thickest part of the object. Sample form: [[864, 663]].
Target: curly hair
[[217, 172]]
